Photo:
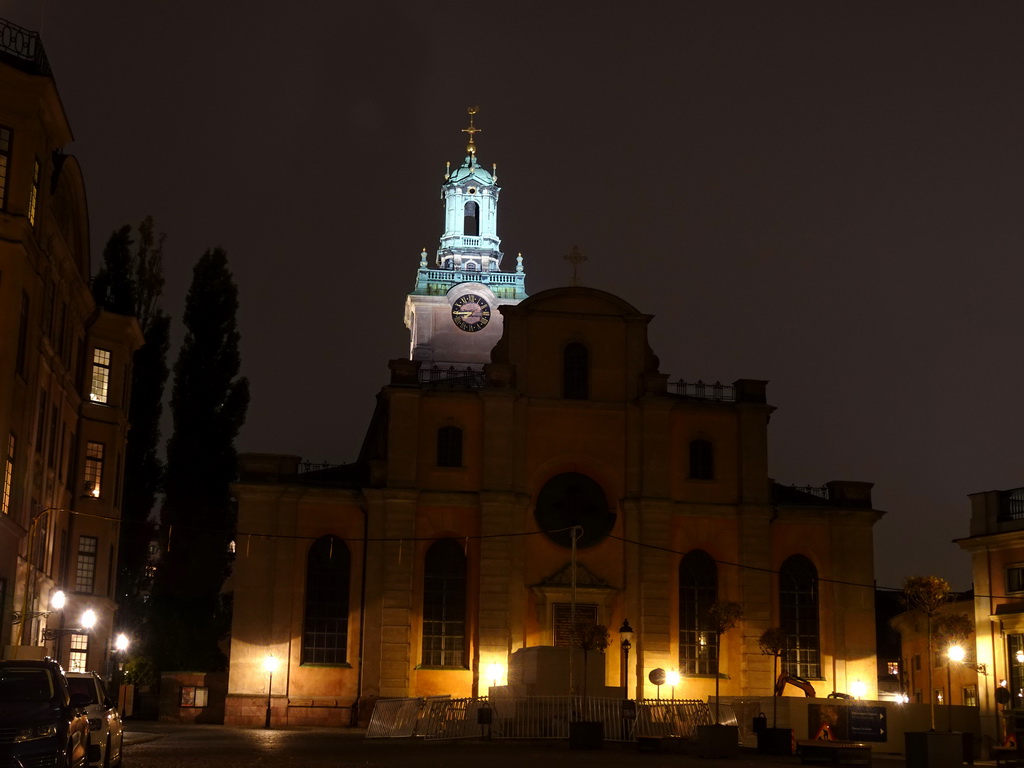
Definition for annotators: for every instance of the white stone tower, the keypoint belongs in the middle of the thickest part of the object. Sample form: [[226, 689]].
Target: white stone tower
[[452, 313]]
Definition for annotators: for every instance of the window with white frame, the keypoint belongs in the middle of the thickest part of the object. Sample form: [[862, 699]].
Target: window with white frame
[[79, 656], [100, 375], [85, 573], [93, 469], [5, 492]]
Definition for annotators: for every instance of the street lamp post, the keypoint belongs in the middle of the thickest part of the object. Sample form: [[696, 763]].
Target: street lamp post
[[121, 643], [269, 664], [955, 653], [626, 642], [85, 623]]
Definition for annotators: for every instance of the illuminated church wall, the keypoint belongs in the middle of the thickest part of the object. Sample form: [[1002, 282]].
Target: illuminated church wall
[[467, 487]]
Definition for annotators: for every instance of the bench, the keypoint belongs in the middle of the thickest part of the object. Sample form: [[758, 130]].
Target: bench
[[834, 752]]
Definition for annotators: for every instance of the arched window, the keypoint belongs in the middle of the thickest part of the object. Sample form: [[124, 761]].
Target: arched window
[[798, 617], [471, 219], [449, 447], [702, 460], [575, 372], [325, 617], [698, 589], [444, 605]]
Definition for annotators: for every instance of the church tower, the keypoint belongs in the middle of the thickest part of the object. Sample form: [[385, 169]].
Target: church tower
[[452, 313]]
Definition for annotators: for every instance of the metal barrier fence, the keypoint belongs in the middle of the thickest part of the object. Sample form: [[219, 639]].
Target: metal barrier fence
[[535, 717], [671, 717]]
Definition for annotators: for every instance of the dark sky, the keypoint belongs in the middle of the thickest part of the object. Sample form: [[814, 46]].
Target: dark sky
[[825, 195]]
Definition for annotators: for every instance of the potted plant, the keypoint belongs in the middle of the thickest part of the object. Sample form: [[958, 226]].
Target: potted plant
[[774, 740], [720, 740], [931, 749], [583, 733]]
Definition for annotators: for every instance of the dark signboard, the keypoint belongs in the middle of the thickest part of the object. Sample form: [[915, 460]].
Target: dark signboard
[[867, 724], [846, 722]]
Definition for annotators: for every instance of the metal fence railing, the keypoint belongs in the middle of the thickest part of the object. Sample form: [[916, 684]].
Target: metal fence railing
[[671, 718], [535, 717]]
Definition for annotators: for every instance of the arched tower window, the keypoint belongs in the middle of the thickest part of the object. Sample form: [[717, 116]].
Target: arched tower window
[[798, 617], [471, 219], [702, 460], [698, 589], [444, 605], [449, 447], [575, 372], [325, 616]]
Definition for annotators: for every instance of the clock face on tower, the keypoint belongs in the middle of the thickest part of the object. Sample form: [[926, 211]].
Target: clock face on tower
[[471, 312]]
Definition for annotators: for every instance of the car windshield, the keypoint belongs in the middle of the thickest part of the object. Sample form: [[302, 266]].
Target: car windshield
[[83, 688], [22, 684]]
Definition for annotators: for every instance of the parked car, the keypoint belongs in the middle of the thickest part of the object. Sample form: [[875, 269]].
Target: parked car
[[106, 733], [41, 722]]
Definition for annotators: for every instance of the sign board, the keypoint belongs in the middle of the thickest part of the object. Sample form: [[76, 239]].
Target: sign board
[[867, 724]]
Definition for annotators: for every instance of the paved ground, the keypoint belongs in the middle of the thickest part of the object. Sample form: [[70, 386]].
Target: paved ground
[[166, 745]]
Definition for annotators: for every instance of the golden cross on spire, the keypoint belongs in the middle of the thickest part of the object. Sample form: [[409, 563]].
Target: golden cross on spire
[[471, 147]]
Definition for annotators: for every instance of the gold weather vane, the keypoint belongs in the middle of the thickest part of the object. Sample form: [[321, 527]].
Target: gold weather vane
[[471, 147], [576, 258]]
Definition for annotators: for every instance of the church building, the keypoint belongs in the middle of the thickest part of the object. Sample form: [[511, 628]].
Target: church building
[[529, 465]]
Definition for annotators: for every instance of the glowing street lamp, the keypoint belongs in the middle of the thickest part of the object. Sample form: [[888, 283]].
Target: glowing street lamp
[[672, 678], [269, 665], [859, 689], [495, 671]]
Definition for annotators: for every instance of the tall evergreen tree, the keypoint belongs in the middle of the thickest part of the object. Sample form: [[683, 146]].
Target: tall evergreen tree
[[209, 401], [114, 287]]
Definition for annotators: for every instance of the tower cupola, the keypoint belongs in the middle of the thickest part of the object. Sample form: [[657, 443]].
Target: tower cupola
[[451, 312]]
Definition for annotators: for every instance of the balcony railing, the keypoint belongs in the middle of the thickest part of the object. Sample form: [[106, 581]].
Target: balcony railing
[[451, 378], [23, 48], [458, 276], [717, 391], [1011, 506]]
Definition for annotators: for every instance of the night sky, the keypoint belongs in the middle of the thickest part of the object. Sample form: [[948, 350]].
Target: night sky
[[825, 195]]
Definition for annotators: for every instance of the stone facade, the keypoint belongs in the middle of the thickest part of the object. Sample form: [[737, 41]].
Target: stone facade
[[65, 377]]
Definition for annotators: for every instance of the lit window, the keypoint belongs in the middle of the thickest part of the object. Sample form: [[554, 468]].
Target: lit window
[[698, 589], [79, 653], [85, 574], [970, 694], [93, 469], [34, 194], [5, 163], [100, 375], [893, 667], [5, 495], [444, 605]]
